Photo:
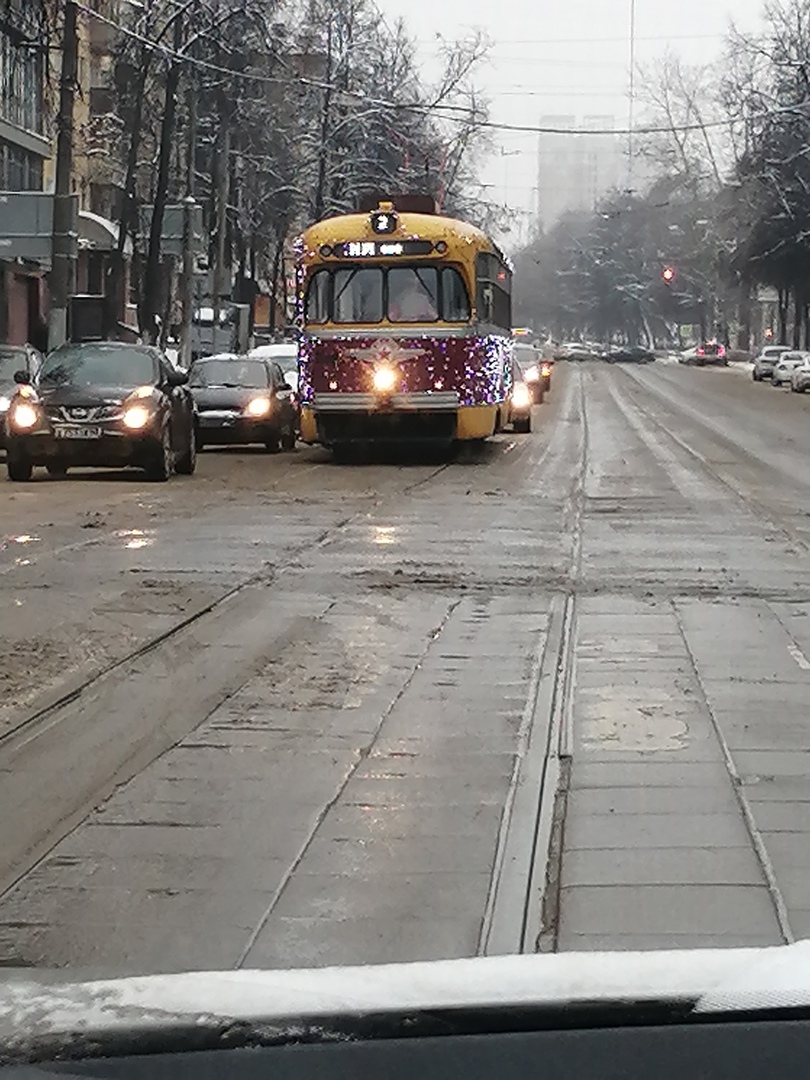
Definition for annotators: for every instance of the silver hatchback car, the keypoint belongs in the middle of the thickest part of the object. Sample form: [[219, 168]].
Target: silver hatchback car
[[785, 366], [800, 376], [766, 361]]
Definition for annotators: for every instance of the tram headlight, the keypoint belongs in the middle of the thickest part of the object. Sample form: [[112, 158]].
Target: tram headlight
[[385, 379]]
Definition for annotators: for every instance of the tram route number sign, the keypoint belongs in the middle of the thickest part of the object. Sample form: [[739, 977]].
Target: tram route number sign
[[379, 249]]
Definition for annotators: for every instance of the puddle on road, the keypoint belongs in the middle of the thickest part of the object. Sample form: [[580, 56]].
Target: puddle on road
[[135, 539], [618, 722], [384, 534]]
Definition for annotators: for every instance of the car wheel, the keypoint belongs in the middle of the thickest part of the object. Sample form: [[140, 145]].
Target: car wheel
[[755, 377], [56, 469], [522, 426], [20, 467], [271, 444], [288, 439], [187, 462], [159, 468]]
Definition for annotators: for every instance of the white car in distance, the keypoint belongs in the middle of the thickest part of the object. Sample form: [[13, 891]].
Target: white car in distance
[[783, 371]]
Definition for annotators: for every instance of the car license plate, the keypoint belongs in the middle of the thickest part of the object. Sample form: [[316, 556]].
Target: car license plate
[[77, 432], [217, 420]]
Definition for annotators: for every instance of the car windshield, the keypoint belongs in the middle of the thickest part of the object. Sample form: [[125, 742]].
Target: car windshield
[[99, 365], [526, 356], [11, 361], [250, 374], [405, 551]]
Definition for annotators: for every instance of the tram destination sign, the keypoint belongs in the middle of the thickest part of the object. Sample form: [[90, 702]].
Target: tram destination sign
[[381, 249]]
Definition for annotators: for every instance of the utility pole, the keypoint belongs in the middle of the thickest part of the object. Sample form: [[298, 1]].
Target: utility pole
[[65, 241], [223, 191], [189, 205], [631, 118], [152, 284]]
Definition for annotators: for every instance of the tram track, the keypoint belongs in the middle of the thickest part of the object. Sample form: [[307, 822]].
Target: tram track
[[522, 909]]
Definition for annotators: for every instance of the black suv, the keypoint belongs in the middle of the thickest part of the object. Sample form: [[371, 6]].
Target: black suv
[[105, 404]]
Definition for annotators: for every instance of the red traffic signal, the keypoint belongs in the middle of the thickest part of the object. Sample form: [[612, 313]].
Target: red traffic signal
[[668, 275]]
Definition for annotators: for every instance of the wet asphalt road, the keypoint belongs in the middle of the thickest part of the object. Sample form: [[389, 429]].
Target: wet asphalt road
[[552, 693]]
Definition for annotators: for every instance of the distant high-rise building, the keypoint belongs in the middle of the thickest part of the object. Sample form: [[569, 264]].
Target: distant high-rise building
[[575, 170]]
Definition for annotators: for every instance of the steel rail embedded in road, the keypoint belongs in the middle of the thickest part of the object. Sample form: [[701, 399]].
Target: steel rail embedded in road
[[523, 904]]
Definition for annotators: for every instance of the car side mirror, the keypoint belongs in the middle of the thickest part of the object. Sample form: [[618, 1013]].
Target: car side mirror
[[22, 378], [286, 386], [177, 378]]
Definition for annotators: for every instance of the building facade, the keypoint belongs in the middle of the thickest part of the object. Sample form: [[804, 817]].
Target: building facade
[[574, 171], [25, 147]]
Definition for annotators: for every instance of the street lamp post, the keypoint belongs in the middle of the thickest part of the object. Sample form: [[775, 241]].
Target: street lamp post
[[631, 107]]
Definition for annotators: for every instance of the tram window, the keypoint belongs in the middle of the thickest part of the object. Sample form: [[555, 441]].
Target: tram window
[[413, 294], [317, 306], [455, 301], [358, 295], [493, 291]]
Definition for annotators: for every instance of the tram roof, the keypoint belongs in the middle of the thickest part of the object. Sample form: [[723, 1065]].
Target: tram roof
[[410, 226]]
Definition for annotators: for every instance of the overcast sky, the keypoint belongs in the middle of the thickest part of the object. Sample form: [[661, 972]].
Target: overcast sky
[[565, 57]]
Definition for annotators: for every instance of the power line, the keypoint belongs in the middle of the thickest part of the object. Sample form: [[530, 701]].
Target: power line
[[447, 111]]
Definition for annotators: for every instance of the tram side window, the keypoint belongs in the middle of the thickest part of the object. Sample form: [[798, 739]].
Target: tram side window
[[455, 301], [413, 294], [358, 295], [317, 305], [493, 292]]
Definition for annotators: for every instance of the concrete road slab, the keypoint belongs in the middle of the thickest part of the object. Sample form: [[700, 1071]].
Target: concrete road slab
[[668, 909], [585, 832], [642, 773], [662, 866], [660, 942], [652, 800]]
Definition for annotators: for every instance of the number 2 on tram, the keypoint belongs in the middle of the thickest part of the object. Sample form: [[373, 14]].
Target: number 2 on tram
[[406, 321]]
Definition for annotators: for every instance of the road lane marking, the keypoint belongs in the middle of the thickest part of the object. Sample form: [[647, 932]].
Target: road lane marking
[[799, 656]]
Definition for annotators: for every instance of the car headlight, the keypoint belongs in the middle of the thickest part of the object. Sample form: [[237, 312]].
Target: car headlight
[[137, 417], [385, 379], [5, 404], [24, 416], [531, 375], [259, 406], [521, 396], [545, 370]]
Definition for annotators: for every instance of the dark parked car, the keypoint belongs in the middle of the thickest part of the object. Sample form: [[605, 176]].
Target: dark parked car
[[14, 358], [241, 400], [629, 354], [102, 404]]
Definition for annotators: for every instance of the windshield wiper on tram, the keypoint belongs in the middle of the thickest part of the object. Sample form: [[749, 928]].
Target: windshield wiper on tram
[[352, 275]]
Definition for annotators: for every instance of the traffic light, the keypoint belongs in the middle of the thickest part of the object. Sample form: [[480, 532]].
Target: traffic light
[[668, 275]]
